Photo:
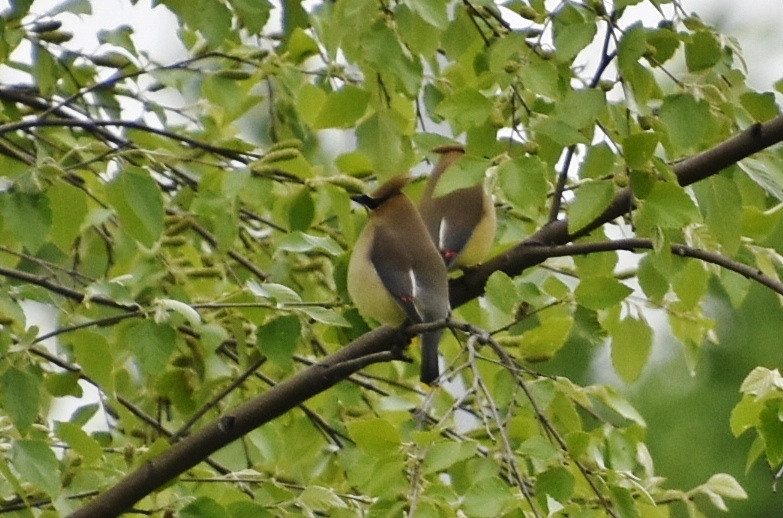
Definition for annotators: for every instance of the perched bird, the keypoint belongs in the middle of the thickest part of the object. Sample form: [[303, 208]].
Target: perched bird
[[395, 272], [462, 222]]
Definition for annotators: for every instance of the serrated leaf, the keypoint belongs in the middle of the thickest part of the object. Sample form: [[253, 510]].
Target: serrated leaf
[[487, 498], [601, 292], [37, 464], [28, 217], [152, 343], [139, 205], [557, 483], [68, 208], [523, 181], [376, 437], [272, 291], [666, 206], [687, 120], [21, 392], [278, 339], [761, 106], [342, 108], [726, 485], [301, 211], [324, 315], [632, 46], [501, 292], [443, 455], [94, 356], [598, 162], [592, 198], [465, 108], [639, 148], [762, 382], [76, 438], [192, 316], [631, 346], [300, 242], [765, 170], [321, 498], [203, 507], [702, 51]]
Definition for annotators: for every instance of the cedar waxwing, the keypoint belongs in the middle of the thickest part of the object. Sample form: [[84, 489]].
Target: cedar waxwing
[[461, 222], [395, 272]]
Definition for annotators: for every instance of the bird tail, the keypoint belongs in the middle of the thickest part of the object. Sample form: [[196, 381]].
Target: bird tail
[[429, 356]]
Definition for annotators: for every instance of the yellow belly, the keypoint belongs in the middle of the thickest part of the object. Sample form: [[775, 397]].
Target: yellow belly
[[366, 288]]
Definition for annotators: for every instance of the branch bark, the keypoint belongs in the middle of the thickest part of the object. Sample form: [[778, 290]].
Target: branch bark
[[188, 452]]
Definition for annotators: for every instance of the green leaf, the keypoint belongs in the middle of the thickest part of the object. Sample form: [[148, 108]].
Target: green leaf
[[325, 316], [687, 120], [21, 396], [720, 200], [299, 242], [76, 438], [598, 162], [342, 108], [702, 52], [433, 12], [667, 206], [487, 498], [725, 485], [301, 46], [376, 437], [592, 198], [467, 171], [443, 455], [745, 415], [321, 498], [94, 356], [581, 108], [278, 339], [572, 38], [561, 133], [502, 293], [465, 108], [523, 180], [542, 342], [252, 14], [36, 463], [624, 502], [601, 292], [28, 217], [771, 430], [654, 284], [761, 106], [639, 148], [381, 140], [382, 48], [764, 169], [632, 46], [691, 284], [44, 70], [301, 211], [541, 77], [152, 344], [139, 205], [69, 208], [203, 507], [631, 346], [557, 483]]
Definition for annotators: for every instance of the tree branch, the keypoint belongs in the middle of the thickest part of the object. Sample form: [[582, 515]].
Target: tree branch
[[689, 171], [287, 395]]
